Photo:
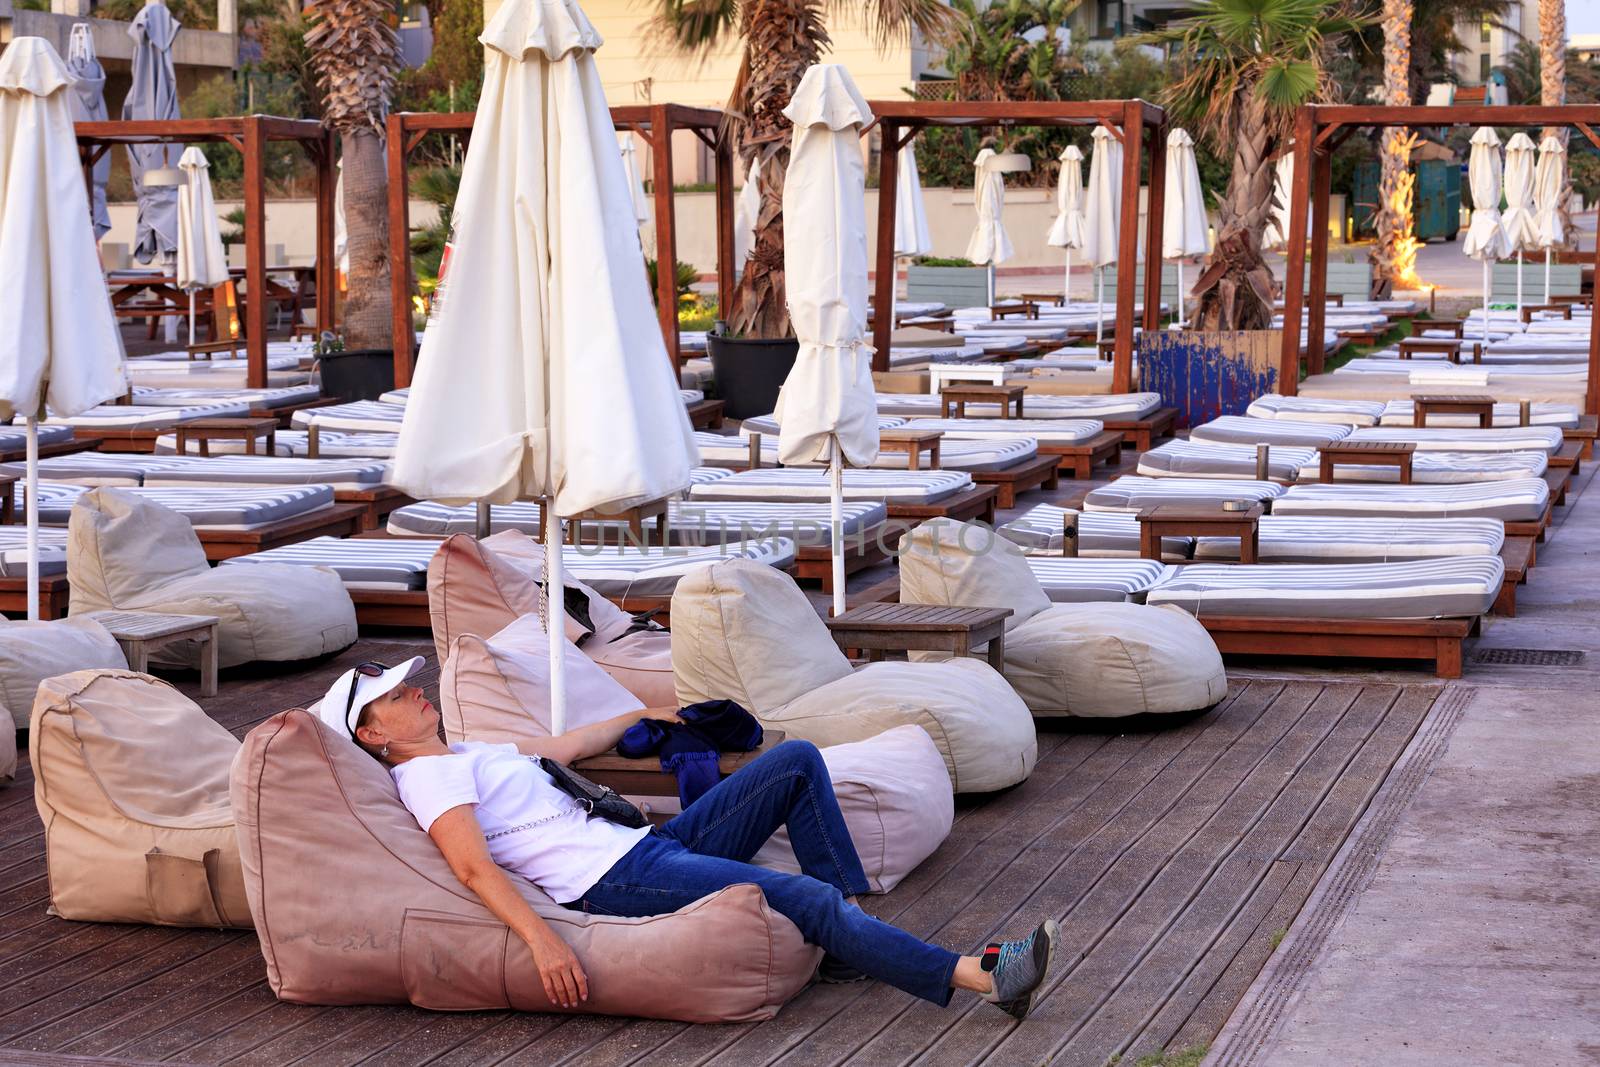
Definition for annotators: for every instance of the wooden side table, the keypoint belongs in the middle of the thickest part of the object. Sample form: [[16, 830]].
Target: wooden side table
[[643, 777], [8, 498], [1106, 349], [957, 397], [142, 632], [913, 443], [880, 628], [204, 431], [1456, 327], [1190, 520], [1056, 299], [1481, 406], [1369, 454], [1451, 348], [1026, 308]]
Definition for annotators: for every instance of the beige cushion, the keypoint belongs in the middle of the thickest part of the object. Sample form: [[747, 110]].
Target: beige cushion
[[127, 553], [131, 782], [964, 564], [316, 812], [30, 652], [8, 748], [896, 799], [498, 689]]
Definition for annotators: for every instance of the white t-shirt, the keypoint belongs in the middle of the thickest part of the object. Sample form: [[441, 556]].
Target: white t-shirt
[[532, 827]]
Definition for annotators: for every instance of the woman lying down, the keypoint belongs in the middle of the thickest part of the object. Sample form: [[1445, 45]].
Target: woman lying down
[[490, 809]]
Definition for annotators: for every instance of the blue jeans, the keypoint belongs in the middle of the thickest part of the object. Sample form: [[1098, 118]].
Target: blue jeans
[[709, 846]]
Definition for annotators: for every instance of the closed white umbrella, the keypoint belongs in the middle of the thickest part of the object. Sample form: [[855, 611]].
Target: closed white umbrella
[[341, 231], [1067, 231], [1277, 231], [1103, 216], [746, 213], [1518, 222], [60, 346], [1183, 225], [827, 409], [630, 167], [910, 216], [543, 374], [1486, 239], [88, 101], [1549, 179], [202, 261], [989, 244], [153, 96]]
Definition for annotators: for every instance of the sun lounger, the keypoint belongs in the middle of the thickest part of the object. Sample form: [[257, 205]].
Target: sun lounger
[[1041, 406], [1508, 414], [1077, 444], [1201, 459], [131, 428], [14, 552], [1244, 430], [258, 400], [354, 481], [767, 425], [1314, 409], [1135, 493], [1547, 439], [361, 416], [1100, 534], [1440, 468], [95, 468], [53, 441], [1522, 504], [910, 495], [1083, 581], [291, 444]]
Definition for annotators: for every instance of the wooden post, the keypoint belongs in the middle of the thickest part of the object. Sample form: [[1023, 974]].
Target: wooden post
[[327, 265], [1321, 181], [404, 339], [1305, 128], [1591, 403], [883, 281], [1156, 214], [255, 252], [1128, 247], [723, 152], [666, 238]]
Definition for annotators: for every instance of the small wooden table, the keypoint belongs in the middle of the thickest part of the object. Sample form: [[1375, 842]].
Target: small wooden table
[[204, 431], [1026, 308], [1455, 326], [913, 443], [8, 498], [1449, 347], [1199, 520], [880, 628], [1106, 349], [1528, 311], [957, 397], [142, 632], [1057, 299], [1481, 406], [1369, 454], [643, 777]]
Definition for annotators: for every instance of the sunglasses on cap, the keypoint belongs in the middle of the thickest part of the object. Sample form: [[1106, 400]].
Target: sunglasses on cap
[[369, 669]]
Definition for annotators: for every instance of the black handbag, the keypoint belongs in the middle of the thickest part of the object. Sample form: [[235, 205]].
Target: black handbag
[[596, 799]]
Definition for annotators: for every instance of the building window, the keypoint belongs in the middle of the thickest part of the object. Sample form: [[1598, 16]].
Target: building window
[[1483, 32], [1483, 68]]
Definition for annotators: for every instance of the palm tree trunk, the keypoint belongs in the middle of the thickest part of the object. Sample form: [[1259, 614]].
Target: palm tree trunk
[[1394, 256], [1553, 88], [1235, 289], [367, 322]]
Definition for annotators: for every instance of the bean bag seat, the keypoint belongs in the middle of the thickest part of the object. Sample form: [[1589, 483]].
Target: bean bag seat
[[474, 589], [1099, 660], [315, 811], [30, 652], [130, 554], [131, 781], [745, 632]]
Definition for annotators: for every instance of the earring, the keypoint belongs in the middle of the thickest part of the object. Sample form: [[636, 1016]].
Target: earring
[[384, 751]]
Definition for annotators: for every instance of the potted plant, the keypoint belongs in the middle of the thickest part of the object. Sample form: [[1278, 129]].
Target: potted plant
[[950, 280]]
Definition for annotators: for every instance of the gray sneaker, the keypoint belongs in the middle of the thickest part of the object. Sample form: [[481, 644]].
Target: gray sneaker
[[1018, 968]]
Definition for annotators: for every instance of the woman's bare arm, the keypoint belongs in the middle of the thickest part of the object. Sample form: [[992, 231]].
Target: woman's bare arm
[[593, 739], [460, 838]]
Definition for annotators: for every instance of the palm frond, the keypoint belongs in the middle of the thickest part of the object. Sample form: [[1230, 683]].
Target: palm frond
[[890, 22], [695, 25]]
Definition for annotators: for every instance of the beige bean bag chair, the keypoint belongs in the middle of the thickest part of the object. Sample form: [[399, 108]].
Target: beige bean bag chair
[[127, 553], [30, 652], [744, 631], [473, 589], [1093, 660], [131, 782], [316, 812]]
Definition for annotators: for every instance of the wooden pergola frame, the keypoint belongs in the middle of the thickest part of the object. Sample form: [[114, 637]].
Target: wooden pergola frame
[[1319, 130], [250, 134], [654, 124], [901, 120]]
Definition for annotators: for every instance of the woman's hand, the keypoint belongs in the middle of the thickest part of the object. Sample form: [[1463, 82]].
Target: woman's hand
[[564, 981], [664, 714]]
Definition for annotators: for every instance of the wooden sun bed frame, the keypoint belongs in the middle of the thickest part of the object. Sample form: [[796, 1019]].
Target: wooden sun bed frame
[[377, 503], [1584, 433], [706, 415], [1078, 461], [54, 594], [340, 520], [1141, 434], [1040, 472], [55, 448], [1437, 640]]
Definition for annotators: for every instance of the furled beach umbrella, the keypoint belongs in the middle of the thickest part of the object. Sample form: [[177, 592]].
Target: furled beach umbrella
[[1276, 234], [1183, 226], [1550, 177], [202, 261], [989, 245], [827, 410], [630, 167], [1486, 238], [341, 231], [1102, 216], [1067, 231], [1518, 221], [154, 96], [88, 102], [746, 212], [60, 346], [543, 374], [911, 237]]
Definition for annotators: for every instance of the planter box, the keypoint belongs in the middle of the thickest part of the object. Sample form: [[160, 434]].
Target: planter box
[[957, 287], [1207, 375]]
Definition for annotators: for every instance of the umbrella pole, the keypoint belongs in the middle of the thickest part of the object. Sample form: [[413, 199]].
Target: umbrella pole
[[555, 619], [1519, 283], [1486, 303], [1547, 275], [991, 285], [1099, 305], [191, 318], [32, 490], [1180, 292], [836, 529], [1066, 281]]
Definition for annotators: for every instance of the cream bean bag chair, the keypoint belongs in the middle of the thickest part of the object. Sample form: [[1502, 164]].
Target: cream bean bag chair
[[131, 781], [1092, 660], [30, 652], [472, 589], [744, 631], [355, 905], [127, 553]]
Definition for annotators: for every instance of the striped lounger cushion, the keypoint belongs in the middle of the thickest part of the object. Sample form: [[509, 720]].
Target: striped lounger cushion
[[94, 468], [213, 509], [1044, 431], [365, 416], [1309, 539], [14, 552], [290, 444], [1042, 406], [1403, 413], [1442, 468], [17, 438], [1081, 581], [351, 474], [55, 500], [108, 418], [1242, 430], [1456, 587], [1519, 500], [791, 484], [690, 396], [361, 563], [721, 448], [1428, 439], [1313, 409], [1102, 534], [961, 454], [1197, 459], [146, 396], [767, 425], [396, 396], [1136, 493]]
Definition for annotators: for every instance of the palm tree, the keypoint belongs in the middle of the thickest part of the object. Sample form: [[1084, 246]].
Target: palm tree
[[781, 39], [1394, 257], [355, 53], [1245, 66], [1553, 88]]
